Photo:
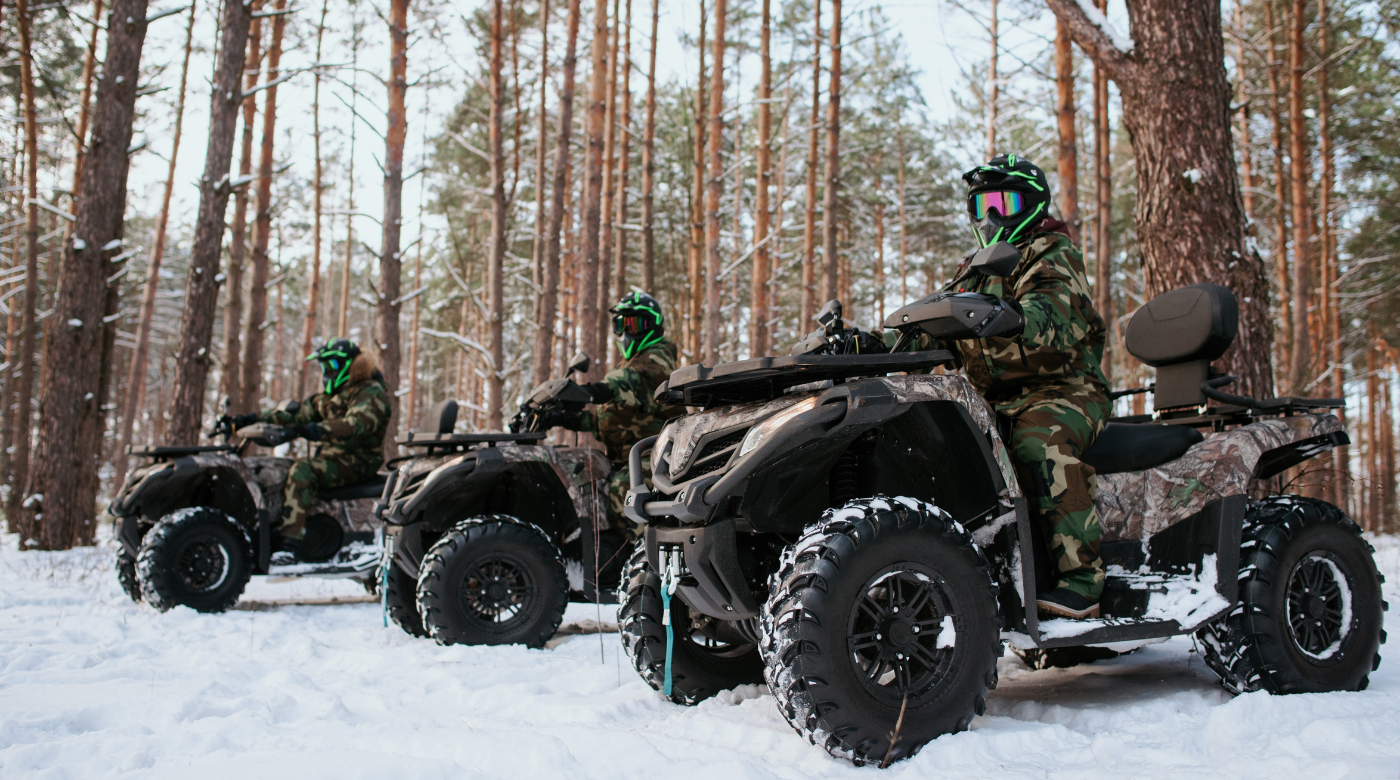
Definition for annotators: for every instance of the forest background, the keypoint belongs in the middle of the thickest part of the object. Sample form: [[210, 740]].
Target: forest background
[[442, 122]]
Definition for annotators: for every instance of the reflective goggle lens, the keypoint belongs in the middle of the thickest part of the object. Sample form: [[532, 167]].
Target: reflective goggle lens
[[1006, 203], [626, 323]]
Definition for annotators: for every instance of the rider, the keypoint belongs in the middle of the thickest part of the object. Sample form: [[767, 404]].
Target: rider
[[626, 412], [1048, 379], [348, 421]]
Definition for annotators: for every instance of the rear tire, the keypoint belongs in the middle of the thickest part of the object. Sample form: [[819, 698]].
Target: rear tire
[[701, 665], [197, 557], [857, 630], [1310, 613], [126, 575], [493, 581]]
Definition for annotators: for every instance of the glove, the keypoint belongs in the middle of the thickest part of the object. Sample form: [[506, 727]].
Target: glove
[[1008, 321], [242, 420], [558, 418], [309, 431], [600, 392]]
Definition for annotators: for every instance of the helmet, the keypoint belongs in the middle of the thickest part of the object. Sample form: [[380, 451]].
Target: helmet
[[1005, 198], [637, 321], [335, 359]]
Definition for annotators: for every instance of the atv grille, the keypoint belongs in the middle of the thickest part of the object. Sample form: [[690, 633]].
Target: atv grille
[[714, 455]]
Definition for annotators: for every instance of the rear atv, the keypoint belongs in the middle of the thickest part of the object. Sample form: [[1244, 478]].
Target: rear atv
[[865, 533], [489, 536]]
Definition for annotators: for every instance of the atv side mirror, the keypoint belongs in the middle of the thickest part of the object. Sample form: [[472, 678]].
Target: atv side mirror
[[443, 416], [830, 317], [998, 260], [579, 364]]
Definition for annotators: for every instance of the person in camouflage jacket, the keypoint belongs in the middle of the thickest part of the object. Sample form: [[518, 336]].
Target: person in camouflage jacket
[[348, 421], [1047, 379]]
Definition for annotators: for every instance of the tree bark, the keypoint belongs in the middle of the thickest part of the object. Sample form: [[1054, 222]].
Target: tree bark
[[593, 193], [715, 184], [252, 367], [202, 289], [808, 308], [993, 86], [1302, 277], [1068, 157], [24, 391], [605, 232], [537, 249], [544, 334], [758, 292], [903, 235], [1103, 216], [696, 257], [830, 255], [1190, 218], [313, 294], [1242, 98], [136, 376], [1341, 477], [343, 321], [231, 381], [649, 162], [1280, 245], [64, 483], [496, 250], [390, 264], [624, 160]]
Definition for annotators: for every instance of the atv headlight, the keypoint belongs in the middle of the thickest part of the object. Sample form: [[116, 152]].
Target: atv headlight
[[763, 430]]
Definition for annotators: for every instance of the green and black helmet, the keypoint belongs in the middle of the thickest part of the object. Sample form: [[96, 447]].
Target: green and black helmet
[[335, 359], [1005, 198], [637, 321]]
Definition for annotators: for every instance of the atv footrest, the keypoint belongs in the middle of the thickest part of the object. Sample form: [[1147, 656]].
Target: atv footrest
[[1061, 632]]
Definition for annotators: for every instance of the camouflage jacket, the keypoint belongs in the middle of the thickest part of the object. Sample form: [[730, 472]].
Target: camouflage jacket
[[1061, 345], [354, 420], [633, 414]]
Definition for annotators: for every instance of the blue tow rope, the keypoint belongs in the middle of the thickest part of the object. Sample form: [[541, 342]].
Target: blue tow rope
[[670, 635], [384, 583]]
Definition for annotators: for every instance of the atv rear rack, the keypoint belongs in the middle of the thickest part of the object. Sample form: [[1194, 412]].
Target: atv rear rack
[[769, 377], [445, 440]]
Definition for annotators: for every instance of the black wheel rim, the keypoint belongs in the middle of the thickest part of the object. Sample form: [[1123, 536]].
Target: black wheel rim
[[896, 624], [202, 564], [1319, 607], [498, 590]]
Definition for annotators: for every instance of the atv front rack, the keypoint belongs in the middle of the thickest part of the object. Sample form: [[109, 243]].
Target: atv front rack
[[769, 377], [416, 439]]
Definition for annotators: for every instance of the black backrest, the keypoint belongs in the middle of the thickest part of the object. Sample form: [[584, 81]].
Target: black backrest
[[442, 418], [1179, 333]]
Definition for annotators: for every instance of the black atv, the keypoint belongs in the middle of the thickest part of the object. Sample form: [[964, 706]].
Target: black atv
[[488, 536], [197, 522], [854, 534]]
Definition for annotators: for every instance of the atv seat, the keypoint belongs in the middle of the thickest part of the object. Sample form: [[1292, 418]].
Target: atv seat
[[1128, 447], [374, 488]]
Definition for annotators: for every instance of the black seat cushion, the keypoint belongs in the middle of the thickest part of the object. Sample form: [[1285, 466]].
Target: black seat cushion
[[1129, 447], [374, 488]]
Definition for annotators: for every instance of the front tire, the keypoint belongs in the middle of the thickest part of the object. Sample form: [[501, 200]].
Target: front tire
[[126, 576], [883, 608], [1310, 613], [402, 601], [705, 659], [198, 557], [493, 581]]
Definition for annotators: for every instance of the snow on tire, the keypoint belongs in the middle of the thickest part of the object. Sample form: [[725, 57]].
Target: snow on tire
[[1309, 616], [493, 580], [198, 557], [884, 607], [401, 600], [701, 664]]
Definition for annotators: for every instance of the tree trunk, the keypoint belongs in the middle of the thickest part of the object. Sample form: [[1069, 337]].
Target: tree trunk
[[231, 381], [343, 321], [605, 232], [390, 264], [830, 256], [1242, 102], [25, 356], [1341, 476], [993, 87], [696, 258], [1103, 215], [1280, 246], [808, 308], [313, 294], [136, 376], [1302, 277], [202, 289], [715, 184], [1068, 157], [496, 251], [85, 102], [758, 292], [1190, 220], [537, 250], [252, 367], [624, 160], [64, 484], [593, 192], [544, 333], [649, 163], [903, 235]]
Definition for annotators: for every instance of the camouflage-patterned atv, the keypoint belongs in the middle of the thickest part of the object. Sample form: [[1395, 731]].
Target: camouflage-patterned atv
[[197, 522], [488, 536], [856, 536]]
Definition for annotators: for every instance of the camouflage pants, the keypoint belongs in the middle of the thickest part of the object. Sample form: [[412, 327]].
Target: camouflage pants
[[618, 484], [1047, 435], [305, 480]]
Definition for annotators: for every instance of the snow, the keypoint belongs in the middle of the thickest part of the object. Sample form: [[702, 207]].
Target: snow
[[93, 686], [1097, 19]]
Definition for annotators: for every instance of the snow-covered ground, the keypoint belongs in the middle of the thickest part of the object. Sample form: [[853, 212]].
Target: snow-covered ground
[[93, 686]]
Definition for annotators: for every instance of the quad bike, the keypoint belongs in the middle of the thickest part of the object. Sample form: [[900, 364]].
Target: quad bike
[[488, 536], [197, 522], [859, 539]]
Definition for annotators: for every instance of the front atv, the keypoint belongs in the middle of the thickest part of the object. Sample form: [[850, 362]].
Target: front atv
[[866, 531]]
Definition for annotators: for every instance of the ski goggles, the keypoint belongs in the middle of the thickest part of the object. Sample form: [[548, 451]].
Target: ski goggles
[[631, 324], [1005, 202]]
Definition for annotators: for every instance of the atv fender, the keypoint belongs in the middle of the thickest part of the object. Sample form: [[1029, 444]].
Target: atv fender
[[217, 481]]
